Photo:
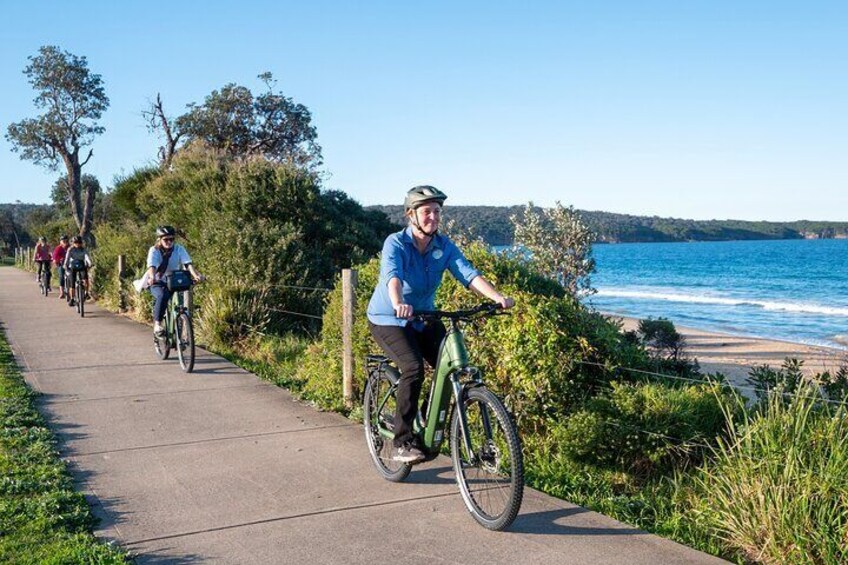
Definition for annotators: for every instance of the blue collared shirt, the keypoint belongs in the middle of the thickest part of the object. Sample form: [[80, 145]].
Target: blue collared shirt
[[421, 274]]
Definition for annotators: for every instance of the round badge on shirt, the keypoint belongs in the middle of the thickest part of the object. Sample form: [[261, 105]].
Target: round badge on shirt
[[437, 254]]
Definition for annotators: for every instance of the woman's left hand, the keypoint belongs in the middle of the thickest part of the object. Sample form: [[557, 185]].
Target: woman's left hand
[[506, 302]]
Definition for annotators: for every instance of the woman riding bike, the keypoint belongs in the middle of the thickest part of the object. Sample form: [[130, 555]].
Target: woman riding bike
[[59, 253], [411, 269], [42, 258], [164, 258]]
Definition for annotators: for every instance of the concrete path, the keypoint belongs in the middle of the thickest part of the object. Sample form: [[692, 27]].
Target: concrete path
[[220, 467]]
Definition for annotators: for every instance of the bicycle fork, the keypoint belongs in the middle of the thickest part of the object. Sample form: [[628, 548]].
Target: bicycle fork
[[460, 393]]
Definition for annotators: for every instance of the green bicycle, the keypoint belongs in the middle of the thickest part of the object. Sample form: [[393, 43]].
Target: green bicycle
[[179, 330], [484, 444]]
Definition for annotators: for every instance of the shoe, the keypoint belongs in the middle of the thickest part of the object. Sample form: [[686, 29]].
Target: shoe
[[158, 331], [71, 303], [409, 453]]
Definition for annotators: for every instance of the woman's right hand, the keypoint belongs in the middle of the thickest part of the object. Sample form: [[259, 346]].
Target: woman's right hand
[[403, 311]]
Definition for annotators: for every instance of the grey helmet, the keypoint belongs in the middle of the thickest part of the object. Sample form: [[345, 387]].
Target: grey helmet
[[420, 195]]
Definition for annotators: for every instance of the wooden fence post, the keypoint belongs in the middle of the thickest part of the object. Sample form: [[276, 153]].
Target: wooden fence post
[[349, 280], [122, 303]]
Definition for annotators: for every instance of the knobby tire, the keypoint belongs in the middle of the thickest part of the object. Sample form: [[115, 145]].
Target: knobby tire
[[380, 447], [492, 485]]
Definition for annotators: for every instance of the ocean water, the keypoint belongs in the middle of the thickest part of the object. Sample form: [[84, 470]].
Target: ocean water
[[791, 290]]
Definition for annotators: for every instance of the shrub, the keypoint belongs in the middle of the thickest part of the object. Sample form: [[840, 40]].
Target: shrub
[[254, 227], [560, 244], [645, 429], [835, 384], [783, 382]]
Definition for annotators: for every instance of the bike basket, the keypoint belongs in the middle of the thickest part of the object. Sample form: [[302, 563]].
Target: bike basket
[[77, 265], [179, 281]]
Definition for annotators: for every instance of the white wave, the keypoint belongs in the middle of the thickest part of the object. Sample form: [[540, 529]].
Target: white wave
[[800, 307]]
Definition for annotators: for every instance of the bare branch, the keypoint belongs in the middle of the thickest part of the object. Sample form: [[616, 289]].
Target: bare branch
[[90, 153]]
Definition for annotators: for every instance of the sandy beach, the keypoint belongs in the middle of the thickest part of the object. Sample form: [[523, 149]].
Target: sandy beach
[[735, 355]]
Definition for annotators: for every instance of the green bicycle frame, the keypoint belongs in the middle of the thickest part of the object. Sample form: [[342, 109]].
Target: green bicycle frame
[[452, 362], [175, 305]]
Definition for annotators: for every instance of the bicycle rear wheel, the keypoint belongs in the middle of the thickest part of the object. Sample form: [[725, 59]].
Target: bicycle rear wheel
[[378, 420], [185, 342], [491, 478]]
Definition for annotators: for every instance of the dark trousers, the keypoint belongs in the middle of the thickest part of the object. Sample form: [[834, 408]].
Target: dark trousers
[[78, 273], [409, 349], [161, 296], [44, 266]]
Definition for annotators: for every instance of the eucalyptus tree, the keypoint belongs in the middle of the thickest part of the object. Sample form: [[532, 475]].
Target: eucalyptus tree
[[73, 100], [241, 124]]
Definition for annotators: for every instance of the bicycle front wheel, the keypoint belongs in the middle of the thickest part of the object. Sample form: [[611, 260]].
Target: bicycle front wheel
[[81, 299], [491, 476], [185, 342], [161, 343], [378, 420]]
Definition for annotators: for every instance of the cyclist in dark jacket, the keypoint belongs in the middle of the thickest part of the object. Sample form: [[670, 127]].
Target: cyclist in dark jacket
[[77, 263], [411, 269]]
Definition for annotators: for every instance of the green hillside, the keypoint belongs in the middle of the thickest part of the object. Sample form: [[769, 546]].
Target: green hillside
[[492, 223]]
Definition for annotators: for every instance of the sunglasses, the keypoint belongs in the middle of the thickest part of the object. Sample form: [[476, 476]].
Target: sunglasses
[[171, 239]]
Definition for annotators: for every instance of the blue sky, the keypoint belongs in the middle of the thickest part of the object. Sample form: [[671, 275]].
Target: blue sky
[[688, 109]]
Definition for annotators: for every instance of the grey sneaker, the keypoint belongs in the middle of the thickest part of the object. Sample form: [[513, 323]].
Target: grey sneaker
[[408, 453]]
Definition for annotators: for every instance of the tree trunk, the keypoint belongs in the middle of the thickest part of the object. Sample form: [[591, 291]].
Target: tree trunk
[[82, 205], [87, 214], [74, 187]]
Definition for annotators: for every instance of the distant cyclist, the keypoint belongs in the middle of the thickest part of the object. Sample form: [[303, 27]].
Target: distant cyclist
[[59, 253], [411, 269], [77, 263], [164, 258], [42, 259]]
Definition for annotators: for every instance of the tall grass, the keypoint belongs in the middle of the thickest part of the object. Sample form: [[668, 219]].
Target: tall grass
[[777, 489]]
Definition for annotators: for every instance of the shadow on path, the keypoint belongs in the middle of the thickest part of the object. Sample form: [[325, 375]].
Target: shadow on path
[[547, 524]]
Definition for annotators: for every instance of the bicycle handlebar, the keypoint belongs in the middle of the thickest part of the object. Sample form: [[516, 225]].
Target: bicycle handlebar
[[485, 309]]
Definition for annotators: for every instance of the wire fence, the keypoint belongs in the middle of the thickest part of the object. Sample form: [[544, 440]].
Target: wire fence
[[707, 380], [292, 313]]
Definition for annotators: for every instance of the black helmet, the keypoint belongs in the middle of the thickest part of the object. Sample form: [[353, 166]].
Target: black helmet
[[63, 238], [165, 231], [420, 195], [42, 239], [77, 239]]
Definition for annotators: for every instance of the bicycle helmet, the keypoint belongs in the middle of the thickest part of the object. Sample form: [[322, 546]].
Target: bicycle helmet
[[420, 195], [77, 239], [166, 231], [63, 238], [42, 239]]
